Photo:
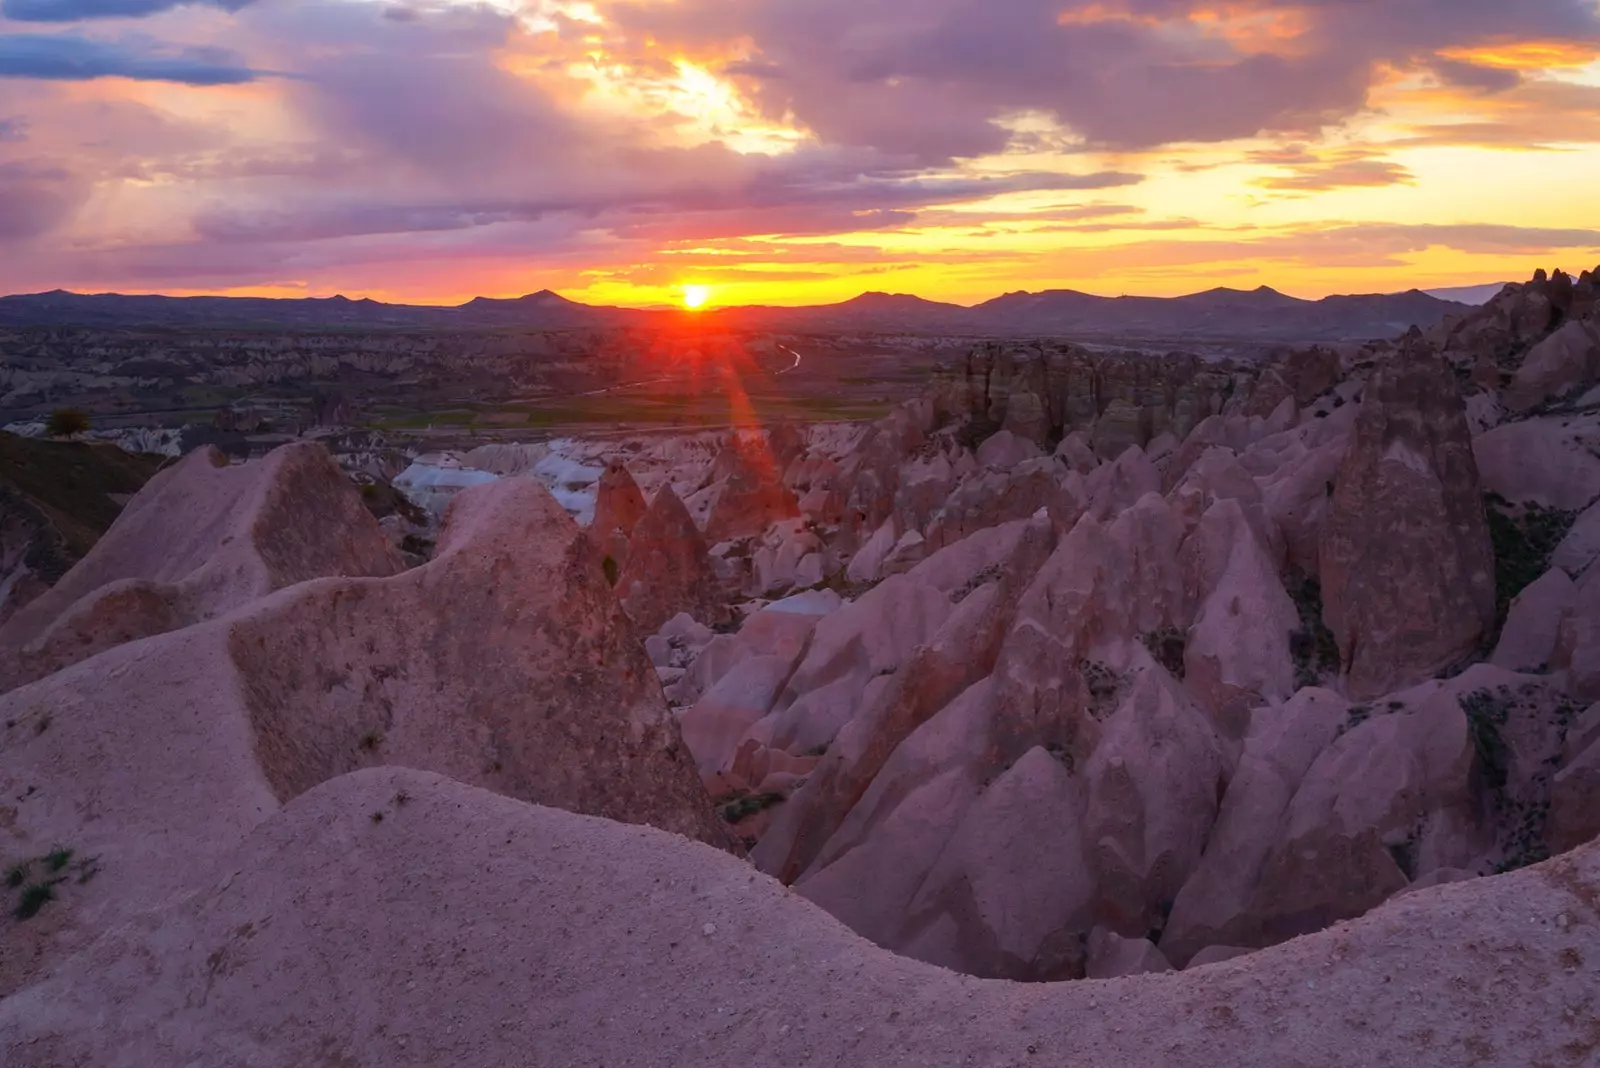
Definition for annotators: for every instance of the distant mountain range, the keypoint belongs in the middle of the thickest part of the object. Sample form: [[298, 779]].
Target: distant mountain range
[[1260, 314]]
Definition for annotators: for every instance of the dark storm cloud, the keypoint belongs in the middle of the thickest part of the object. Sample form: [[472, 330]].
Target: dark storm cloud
[[79, 10], [70, 57], [934, 79]]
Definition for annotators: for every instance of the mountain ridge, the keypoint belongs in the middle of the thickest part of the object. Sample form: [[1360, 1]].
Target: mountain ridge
[[1262, 313]]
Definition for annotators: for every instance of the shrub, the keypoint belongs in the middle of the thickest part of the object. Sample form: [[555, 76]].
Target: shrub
[[66, 423], [34, 898], [1524, 537], [609, 566]]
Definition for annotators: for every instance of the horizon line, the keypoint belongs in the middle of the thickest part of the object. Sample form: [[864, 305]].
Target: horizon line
[[657, 306]]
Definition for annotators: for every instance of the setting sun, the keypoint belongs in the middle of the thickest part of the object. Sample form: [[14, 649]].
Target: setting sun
[[696, 296]]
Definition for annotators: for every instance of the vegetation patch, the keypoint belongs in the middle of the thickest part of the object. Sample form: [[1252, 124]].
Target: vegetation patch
[[613, 573], [1167, 647], [34, 880], [1359, 714], [1103, 685], [1312, 646], [742, 808], [1524, 537]]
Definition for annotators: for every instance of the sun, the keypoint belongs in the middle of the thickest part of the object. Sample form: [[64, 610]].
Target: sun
[[695, 297]]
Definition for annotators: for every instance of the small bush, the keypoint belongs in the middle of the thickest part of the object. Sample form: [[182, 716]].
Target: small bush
[[1524, 537], [34, 898], [745, 807], [66, 423], [371, 740], [17, 874], [1312, 647], [58, 858], [1167, 647], [613, 572]]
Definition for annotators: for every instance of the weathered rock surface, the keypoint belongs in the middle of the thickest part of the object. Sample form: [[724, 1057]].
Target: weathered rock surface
[[1013, 887], [1567, 360], [201, 539], [504, 661], [555, 885], [1112, 956], [1577, 647], [669, 568], [752, 495], [1406, 564], [1386, 802], [1215, 904], [1154, 783], [1528, 639], [618, 506], [1552, 461]]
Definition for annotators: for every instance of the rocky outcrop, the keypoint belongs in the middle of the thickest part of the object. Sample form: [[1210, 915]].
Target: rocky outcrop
[[1153, 785], [750, 494], [958, 656], [1566, 361], [505, 661], [1577, 646], [1236, 655], [600, 907], [618, 506], [1215, 905], [1528, 639], [1406, 565], [1551, 461], [1013, 887], [1388, 801], [56, 499], [669, 568], [202, 538]]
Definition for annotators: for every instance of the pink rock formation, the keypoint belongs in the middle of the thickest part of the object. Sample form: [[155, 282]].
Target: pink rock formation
[[1112, 956], [1533, 626], [752, 496], [1237, 651], [569, 918], [1153, 785], [1013, 887], [1406, 566], [1577, 647], [1567, 360], [504, 661], [1386, 802], [618, 506], [1215, 904], [669, 569], [200, 539]]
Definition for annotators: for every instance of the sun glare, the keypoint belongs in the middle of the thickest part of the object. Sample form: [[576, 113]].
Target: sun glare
[[696, 296]]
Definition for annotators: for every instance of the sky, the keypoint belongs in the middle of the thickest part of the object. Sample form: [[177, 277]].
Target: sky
[[794, 151]]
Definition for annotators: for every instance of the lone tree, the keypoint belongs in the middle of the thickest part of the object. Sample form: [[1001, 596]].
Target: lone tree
[[66, 423]]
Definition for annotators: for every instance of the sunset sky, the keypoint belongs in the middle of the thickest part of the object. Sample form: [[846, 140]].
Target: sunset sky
[[794, 151]]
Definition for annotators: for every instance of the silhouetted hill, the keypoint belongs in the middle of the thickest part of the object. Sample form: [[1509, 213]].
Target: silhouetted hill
[[1259, 314]]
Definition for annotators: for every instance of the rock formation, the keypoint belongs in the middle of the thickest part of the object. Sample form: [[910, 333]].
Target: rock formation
[[618, 507], [505, 662], [1079, 667], [614, 943], [201, 539], [668, 568], [1407, 570]]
